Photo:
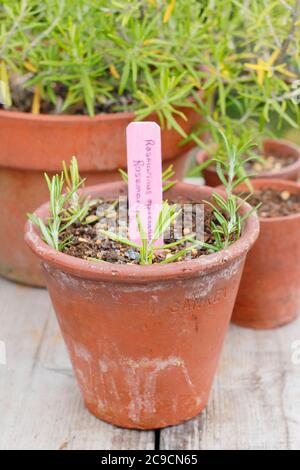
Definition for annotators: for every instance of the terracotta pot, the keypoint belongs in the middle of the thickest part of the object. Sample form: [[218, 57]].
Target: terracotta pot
[[31, 145], [270, 146], [269, 294], [144, 341]]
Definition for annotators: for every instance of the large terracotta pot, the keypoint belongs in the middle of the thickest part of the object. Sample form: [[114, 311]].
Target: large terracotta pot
[[31, 145], [270, 146], [144, 341], [269, 294]]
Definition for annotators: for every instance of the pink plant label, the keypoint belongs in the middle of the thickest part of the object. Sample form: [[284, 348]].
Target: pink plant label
[[144, 165]]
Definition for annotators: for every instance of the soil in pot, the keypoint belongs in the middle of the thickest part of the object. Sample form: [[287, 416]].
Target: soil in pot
[[88, 244], [269, 163], [273, 202], [144, 341], [23, 98], [269, 293]]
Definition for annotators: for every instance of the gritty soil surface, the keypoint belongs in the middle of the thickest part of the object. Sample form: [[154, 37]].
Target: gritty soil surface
[[275, 203], [269, 164], [87, 241]]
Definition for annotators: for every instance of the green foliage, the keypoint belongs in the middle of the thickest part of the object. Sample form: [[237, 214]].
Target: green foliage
[[65, 207], [227, 228], [231, 170], [84, 54], [250, 70], [228, 225], [78, 204], [68, 205], [151, 55], [166, 178], [253, 58]]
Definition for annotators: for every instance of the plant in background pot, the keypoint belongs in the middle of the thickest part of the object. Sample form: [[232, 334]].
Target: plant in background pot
[[277, 159], [251, 74], [73, 74], [144, 324], [269, 291]]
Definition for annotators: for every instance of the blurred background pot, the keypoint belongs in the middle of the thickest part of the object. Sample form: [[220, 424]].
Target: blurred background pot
[[274, 147], [34, 144], [144, 341], [269, 291]]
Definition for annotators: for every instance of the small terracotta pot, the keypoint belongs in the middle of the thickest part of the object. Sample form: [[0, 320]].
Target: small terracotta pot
[[270, 146], [31, 145], [144, 341], [269, 294]]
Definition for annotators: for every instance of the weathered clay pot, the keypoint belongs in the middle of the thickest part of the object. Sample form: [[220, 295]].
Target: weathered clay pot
[[270, 146], [269, 293], [31, 145], [144, 341]]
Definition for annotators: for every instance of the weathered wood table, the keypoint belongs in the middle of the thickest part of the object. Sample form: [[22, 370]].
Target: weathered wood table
[[255, 402]]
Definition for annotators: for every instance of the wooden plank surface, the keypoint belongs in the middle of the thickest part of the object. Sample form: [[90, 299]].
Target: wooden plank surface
[[40, 403], [255, 402]]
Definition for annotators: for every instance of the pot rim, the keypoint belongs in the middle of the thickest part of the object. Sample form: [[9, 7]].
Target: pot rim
[[277, 183], [136, 273], [202, 155], [22, 115]]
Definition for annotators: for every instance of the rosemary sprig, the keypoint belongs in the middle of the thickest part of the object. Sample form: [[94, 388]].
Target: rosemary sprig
[[227, 226], [66, 207]]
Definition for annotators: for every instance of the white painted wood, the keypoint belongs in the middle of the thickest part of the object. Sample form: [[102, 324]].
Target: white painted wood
[[255, 403], [40, 403]]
